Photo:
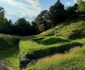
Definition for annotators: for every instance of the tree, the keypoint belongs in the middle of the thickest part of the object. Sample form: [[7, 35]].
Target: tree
[[7, 26], [41, 20], [1, 17], [34, 28], [81, 7], [71, 12], [22, 27], [57, 12]]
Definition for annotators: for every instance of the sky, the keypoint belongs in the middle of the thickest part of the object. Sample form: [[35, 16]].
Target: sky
[[29, 9]]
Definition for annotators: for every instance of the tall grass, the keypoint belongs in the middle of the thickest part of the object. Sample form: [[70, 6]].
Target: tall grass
[[74, 60], [9, 52]]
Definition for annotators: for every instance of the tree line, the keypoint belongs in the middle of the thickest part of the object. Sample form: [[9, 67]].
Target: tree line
[[56, 14]]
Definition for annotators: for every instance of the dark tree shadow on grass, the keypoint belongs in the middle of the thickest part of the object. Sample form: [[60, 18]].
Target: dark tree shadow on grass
[[77, 34], [32, 57], [49, 41], [52, 50], [37, 54], [8, 47]]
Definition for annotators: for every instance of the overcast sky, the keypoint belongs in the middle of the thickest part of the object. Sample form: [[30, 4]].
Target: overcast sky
[[28, 9]]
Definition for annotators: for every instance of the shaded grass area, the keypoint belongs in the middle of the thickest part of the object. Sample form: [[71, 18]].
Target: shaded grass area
[[9, 52], [51, 50], [40, 43], [49, 40], [77, 34], [35, 49]]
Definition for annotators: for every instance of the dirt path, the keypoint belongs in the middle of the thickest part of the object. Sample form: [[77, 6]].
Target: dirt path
[[1, 65], [4, 66]]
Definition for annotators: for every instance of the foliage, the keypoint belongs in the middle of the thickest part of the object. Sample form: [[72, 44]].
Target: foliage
[[6, 27], [57, 12], [1, 15], [81, 6], [71, 12], [22, 27], [41, 20], [9, 52], [45, 45], [47, 19], [35, 29]]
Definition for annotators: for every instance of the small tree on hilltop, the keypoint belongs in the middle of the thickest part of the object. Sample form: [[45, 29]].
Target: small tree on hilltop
[[57, 12], [81, 7]]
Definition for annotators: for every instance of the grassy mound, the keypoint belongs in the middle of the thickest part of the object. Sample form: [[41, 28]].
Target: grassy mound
[[9, 52], [57, 40]]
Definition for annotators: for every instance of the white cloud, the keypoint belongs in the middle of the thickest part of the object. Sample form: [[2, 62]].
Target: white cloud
[[8, 18], [35, 4], [78, 0], [12, 13], [25, 8], [75, 1], [68, 3], [84, 0]]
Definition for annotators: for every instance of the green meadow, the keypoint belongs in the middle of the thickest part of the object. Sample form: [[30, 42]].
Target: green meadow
[[59, 48]]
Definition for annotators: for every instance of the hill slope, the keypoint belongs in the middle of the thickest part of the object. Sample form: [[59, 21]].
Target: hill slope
[[9, 52], [54, 45]]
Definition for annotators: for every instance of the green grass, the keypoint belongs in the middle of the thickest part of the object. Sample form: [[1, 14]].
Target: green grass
[[34, 50], [9, 52], [74, 60], [67, 28], [57, 40], [37, 44]]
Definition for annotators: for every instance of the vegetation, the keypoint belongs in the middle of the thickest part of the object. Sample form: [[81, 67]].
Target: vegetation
[[59, 45], [21, 26], [45, 20], [52, 51], [81, 6], [74, 60], [9, 52]]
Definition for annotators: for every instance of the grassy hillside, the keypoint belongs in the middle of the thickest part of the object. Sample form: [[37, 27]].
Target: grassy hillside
[[52, 48], [9, 52], [67, 29], [74, 60]]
